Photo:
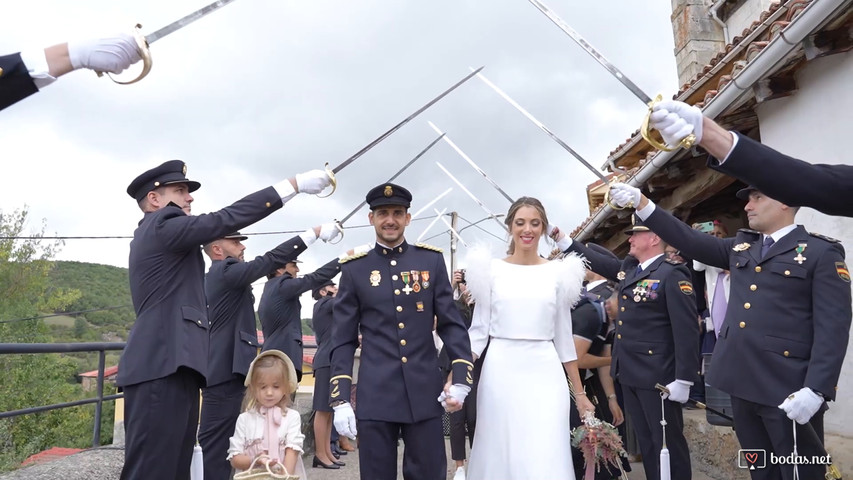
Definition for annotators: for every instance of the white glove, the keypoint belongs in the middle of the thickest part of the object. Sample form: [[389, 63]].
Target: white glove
[[623, 195], [345, 420], [329, 231], [313, 181], [110, 54], [676, 120], [802, 405], [679, 390], [457, 392]]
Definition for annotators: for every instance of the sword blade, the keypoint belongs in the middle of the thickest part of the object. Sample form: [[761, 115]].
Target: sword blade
[[419, 155], [431, 202], [183, 22], [471, 162], [405, 121], [542, 127], [481, 204], [592, 51]]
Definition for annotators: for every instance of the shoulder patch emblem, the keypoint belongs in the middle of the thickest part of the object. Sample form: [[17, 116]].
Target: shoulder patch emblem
[[353, 257], [740, 247], [843, 273], [824, 237], [429, 247], [621, 275], [686, 287]]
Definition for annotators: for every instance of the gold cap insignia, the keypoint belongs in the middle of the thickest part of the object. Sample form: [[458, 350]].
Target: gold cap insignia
[[184, 170], [388, 191]]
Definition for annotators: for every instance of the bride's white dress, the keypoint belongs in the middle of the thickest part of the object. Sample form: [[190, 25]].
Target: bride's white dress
[[523, 401]]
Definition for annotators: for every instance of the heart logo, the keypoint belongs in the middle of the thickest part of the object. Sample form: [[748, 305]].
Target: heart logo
[[751, 457]]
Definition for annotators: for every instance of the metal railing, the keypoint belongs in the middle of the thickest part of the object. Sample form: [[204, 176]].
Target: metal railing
[[98, 400]]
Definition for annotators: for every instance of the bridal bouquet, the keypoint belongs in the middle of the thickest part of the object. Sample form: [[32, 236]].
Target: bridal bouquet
[[600, 444]]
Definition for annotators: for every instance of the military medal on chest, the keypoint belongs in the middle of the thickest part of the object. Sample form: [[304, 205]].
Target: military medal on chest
[[800, 249], [645, 290], [405, 276], [741, 247], [415, 285], [375, 278], [425, 277]]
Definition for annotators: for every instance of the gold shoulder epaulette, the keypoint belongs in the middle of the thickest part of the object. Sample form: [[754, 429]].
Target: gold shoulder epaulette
[[429, 247], [824, 237], [352, 257]]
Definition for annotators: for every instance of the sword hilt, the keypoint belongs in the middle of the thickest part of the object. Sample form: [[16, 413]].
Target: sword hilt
[[340, 227], [332, 180], [144, 52], [646, 132]]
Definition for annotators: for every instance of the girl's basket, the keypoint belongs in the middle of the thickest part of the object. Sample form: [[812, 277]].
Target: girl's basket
[[264, 472]]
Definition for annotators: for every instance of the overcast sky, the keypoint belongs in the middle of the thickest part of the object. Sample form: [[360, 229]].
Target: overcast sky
[[263, 89]]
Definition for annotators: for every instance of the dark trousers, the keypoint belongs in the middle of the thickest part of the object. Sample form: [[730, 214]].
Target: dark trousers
[[219, 412], [768, 428], [465, 420], [160, 421], [423, 452], [644, 406]]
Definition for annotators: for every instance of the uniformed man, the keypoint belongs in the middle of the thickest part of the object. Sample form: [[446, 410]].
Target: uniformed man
[[233, 335], [655, 342], [785, 333], [392, 295], [23, 74], [826, 186], [165, 361], [280, 310]]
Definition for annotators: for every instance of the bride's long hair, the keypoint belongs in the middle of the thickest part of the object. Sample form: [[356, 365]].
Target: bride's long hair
[[513, 210]]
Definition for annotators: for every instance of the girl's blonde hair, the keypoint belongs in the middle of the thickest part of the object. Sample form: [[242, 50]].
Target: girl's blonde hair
[[263, 364], [513, 210]]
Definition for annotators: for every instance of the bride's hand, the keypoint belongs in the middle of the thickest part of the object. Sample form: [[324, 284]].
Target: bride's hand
[[584, 405]]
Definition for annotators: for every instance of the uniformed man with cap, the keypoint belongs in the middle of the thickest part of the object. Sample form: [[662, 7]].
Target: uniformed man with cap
[[233, 335], [655, 341], [782, 343], [165, 361], [23, 74], [280, 310], [391, 295]]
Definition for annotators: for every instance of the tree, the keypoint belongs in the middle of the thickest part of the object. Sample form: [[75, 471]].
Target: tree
[[34, 379]]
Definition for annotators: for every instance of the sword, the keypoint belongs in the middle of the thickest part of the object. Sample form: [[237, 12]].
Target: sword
[[698, 404], [143, 42], [333, 171], [481, 204], [555, 138], [449, 226], [542, 127], [355, 210], [431, 202], [685, 142], [471, 162]]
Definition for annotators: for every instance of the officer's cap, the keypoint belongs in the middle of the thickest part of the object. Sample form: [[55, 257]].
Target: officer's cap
[[637, 225], [316, 292], [598, 248], [173, 171], [235, 236], [288, 365], [744, 193], [388, 194]]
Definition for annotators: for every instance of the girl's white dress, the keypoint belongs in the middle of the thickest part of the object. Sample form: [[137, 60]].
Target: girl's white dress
[[249, 433], [523, 401]]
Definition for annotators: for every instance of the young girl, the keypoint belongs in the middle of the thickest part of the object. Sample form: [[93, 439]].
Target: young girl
[[267, 426]]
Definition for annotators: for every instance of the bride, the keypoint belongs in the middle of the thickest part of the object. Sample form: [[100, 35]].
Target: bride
[[523, 304]]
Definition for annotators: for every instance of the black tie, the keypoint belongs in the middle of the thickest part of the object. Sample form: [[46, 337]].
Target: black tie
[[768, 242], [639, 270]]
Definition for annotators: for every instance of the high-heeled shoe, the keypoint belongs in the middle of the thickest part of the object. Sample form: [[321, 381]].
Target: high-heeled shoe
[[338, 463], [336, 454], [317, 463], [337, 451]]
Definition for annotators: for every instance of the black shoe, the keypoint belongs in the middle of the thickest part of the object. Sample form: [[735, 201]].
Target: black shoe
[[317, 463], [336, 450], [340, 464], [336, 455]]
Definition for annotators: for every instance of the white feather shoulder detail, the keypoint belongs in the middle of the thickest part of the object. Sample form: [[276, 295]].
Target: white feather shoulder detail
[[478, 272], [571, 273]]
